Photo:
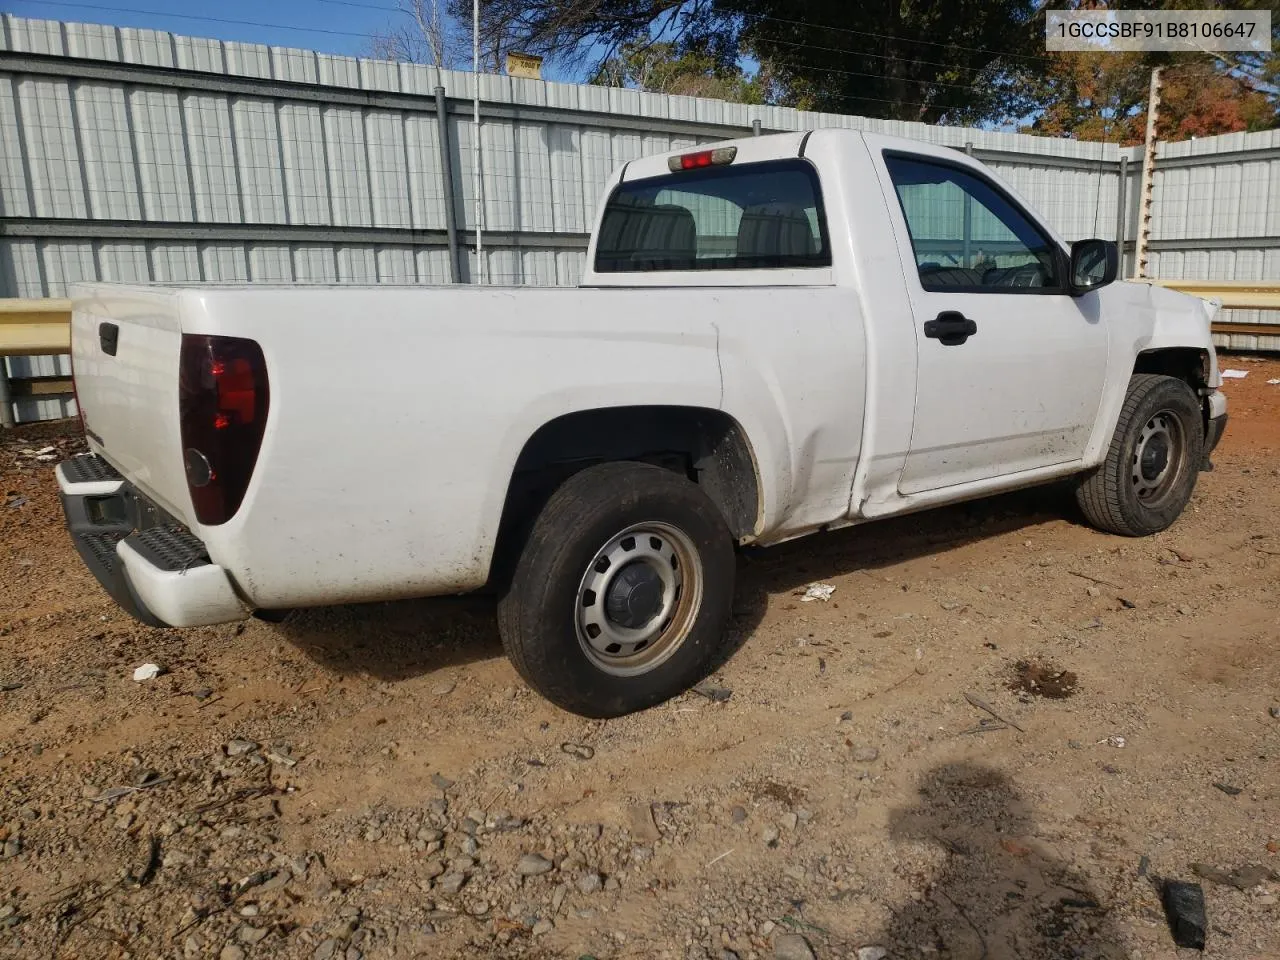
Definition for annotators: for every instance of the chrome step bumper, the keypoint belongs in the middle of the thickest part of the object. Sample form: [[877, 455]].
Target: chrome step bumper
[[152, 566]]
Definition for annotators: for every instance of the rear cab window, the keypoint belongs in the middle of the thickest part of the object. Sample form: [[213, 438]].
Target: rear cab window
[[749, 217]]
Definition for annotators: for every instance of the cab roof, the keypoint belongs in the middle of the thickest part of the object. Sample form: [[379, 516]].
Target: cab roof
[[777, 146]]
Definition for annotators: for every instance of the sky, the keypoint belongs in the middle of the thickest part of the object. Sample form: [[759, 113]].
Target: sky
[[330, 26]]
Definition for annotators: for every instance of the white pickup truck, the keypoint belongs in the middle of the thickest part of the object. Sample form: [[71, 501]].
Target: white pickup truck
[[774, 336]]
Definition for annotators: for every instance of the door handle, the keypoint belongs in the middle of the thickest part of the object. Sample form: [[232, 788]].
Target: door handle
[[108, 338], [951, 327]]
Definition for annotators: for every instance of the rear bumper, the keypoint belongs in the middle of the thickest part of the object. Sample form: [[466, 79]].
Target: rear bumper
[[152, 566]]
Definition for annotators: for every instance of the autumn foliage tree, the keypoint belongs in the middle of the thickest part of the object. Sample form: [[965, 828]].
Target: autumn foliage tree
[[1202, 100], [1103, 96]]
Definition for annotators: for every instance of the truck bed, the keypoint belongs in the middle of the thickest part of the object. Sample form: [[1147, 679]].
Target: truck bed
[[398, 413]]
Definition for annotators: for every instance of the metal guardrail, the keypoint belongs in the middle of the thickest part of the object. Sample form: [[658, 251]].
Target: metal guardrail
[[1234, 294], [32, 328], [43, 327]]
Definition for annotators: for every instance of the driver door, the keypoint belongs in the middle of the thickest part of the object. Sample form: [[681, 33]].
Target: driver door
[[1010, 367]]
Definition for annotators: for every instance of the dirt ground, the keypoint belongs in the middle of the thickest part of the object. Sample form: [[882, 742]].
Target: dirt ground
[[375, 781]]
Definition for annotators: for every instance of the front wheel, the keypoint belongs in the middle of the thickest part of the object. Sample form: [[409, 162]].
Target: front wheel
[[1152, 463], [622, 593]]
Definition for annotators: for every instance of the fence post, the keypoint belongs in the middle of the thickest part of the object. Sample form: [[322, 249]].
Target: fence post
[[1148, 179], [477, 147], [1121, 199], [6, 401], [446, 174], [966, 246]]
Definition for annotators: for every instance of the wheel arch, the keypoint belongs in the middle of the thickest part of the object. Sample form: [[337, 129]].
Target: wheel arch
[[1192, 365], [708, 446], [1189, 364]]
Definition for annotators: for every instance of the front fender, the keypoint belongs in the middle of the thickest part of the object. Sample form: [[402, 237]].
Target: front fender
[[1143, 317], [1181, 320]]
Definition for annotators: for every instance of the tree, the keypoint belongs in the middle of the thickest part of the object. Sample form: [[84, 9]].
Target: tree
[[958, 61], [439, 32], [1103, 96], [1202, 100], [426, 32], [1090, 96], [661, 68], [964, 61], [1093, 96]]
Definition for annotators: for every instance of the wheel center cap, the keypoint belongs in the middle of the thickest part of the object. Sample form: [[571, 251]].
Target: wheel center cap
[[1155, 457], [635, 596]]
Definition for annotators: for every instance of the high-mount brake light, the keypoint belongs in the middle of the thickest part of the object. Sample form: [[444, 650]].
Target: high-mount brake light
[[223, 400], [719, 157]]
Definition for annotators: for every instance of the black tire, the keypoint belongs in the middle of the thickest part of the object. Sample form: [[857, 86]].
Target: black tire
[[540, 615], [1115, 498]]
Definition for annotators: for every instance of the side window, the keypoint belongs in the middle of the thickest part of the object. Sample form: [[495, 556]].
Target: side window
[[967, 237]]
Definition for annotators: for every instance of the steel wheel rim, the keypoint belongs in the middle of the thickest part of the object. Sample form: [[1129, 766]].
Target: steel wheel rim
[[671, 566], [1159, 458]]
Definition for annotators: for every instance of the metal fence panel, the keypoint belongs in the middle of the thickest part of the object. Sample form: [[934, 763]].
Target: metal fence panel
[[124, 262], [270, 263], [14, 185], [164, 169], [110, 171], [260, 167], [303, 157], [53, 155], [136, 155]]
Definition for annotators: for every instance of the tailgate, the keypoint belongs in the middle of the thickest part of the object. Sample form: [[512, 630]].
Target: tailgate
[[125, 347]]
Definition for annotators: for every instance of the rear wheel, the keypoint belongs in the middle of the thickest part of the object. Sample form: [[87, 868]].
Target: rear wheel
[[1151, 466], [622, 592]]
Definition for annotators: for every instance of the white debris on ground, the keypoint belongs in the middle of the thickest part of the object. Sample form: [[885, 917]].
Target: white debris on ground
[[818, 591], [148, 671]]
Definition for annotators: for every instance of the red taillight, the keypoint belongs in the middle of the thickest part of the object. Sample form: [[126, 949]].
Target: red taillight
[[222, 402], [703, 158]]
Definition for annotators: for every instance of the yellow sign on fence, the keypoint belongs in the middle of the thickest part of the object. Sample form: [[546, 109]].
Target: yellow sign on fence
[[524, 65]]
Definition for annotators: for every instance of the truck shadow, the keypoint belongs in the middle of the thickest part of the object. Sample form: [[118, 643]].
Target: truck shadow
[[397, 640], [408, 638], [999, 894], [777, 572]]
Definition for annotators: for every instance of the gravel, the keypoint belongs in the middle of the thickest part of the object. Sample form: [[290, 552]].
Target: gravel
[[692, 830], [792, 946], [533, 865], [451, 883]]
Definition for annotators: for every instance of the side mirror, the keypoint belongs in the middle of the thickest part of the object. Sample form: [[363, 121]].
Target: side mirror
[[1094, 264]]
